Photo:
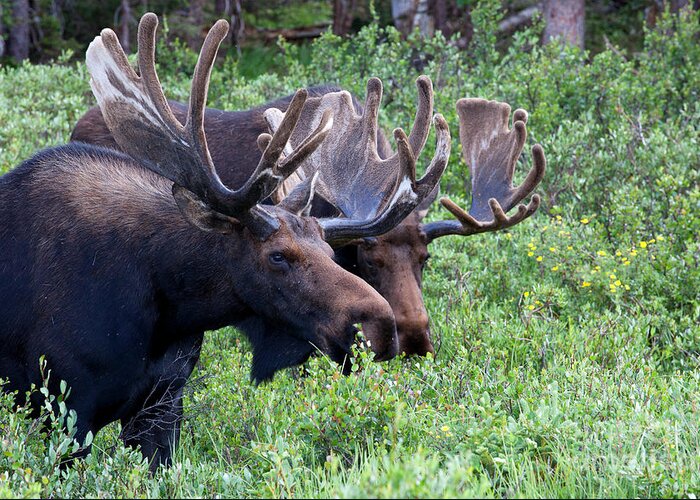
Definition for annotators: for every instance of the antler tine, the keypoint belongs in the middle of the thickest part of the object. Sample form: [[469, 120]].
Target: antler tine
[[520, 115], [407, 160], [466, 225], [308, 146], [491, 151], [200, 85], [405, 198], [534, 176], [283, 132], [430, 180], [370, 116], [421, 122], [147, 67], [271, 172]]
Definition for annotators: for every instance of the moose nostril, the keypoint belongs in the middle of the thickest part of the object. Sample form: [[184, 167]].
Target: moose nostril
[[414, 336]]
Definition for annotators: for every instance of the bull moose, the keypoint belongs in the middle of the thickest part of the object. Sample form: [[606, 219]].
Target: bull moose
[[351, 175], [112, 266]]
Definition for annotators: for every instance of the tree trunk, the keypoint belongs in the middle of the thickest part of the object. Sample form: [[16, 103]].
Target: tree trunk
[[565, 19], [423, 19], [195, 35], [19, 31], [2, 33], [222, 7], [451, 18], [124, 38], [343, 11], [402, 12], [237, 26]]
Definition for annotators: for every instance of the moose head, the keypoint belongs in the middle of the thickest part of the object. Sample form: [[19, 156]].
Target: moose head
[[353, 177]]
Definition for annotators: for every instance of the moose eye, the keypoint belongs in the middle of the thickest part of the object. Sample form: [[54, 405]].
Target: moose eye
[[277, 258]]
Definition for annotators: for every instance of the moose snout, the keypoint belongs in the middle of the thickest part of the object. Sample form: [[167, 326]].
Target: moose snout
[[378, 327], [414, 334]]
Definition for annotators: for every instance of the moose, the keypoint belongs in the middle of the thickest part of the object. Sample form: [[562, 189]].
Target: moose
[[113, 265], [351, 175]]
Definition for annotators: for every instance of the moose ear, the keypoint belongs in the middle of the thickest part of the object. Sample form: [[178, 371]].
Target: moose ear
[[200, 215], [299, 200], [422, 209]]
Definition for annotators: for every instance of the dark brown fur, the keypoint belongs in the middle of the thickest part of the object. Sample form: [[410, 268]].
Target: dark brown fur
[[101, 273], [400, 283]]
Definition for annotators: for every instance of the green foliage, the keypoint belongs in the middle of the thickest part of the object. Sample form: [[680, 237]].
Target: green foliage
[[568, 346], [300, 14], [34, 445]]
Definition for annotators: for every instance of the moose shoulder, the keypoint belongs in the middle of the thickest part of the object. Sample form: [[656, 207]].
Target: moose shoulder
[[114, 265]]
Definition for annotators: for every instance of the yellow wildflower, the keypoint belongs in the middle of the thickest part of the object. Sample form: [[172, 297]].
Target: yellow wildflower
[[531, 307], [585, 284], [552, 249], [526, 294], [585, 220], [601, 253], [539, 258], [642, 244], [612, 276], [530, 254], [555, 268]]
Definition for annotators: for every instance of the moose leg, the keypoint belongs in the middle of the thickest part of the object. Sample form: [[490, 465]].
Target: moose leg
[[156, 426]]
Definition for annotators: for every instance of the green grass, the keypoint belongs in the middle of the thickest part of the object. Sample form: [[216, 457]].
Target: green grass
[[568, 347]]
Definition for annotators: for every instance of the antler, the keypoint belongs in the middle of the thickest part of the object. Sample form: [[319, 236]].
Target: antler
[[373, 194], [491, 151], [143, 125]]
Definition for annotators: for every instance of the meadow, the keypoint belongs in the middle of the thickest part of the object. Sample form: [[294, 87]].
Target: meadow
[[568, 346]]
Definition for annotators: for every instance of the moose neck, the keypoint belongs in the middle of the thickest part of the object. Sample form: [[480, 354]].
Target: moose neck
[[196, 292]]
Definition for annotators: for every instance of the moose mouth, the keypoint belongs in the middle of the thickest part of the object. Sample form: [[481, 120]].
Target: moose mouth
[[275, 349], [341, 351]]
